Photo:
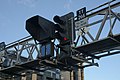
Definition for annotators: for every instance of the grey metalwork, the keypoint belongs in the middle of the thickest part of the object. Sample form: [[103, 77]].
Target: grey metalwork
[[24, 55], [86, 38]]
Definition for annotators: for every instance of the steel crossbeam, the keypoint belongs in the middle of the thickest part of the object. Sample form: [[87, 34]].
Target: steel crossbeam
[[25, 54]]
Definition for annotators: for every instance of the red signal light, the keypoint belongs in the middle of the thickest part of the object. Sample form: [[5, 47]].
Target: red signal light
[[65, 38]]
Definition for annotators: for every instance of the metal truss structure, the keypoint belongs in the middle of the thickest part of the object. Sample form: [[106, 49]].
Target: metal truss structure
[[25, 55], [99, 38]]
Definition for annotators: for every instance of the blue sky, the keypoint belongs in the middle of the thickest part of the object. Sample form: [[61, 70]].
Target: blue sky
[[14, 13]]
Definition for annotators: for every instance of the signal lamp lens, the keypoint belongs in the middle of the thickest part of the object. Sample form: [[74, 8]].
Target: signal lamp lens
[[65, 38]]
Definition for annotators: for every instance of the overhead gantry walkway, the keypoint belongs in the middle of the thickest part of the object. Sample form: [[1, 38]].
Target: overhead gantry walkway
[[88, 46]]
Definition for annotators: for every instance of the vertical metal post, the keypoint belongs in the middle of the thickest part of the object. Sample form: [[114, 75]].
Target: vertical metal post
[[34, 76], [72, 25], [82, 74], [79, 74], [71, 75], [76, 73]]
